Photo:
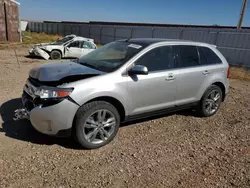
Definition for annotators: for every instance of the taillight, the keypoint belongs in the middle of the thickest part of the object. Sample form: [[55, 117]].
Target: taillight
[[228, 72]]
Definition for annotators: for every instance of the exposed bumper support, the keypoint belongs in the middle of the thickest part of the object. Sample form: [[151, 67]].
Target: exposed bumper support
[[21, 114]]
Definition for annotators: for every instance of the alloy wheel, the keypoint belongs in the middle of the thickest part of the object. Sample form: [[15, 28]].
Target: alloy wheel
[[212, 102], [99, 126]]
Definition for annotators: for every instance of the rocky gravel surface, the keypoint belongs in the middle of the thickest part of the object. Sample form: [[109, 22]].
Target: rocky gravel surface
[[175, 150]]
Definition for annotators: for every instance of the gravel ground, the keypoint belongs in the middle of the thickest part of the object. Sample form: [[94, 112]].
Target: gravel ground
[[177, 150]]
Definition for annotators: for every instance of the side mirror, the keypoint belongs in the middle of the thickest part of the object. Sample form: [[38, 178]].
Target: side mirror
[[138, 70]]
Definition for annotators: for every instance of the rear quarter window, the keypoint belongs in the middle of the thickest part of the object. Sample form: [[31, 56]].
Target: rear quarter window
[[208, 57], [87, 45]]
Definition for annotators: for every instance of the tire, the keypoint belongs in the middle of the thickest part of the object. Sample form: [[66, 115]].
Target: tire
[[82, 126], [214, 105], [55, 54]]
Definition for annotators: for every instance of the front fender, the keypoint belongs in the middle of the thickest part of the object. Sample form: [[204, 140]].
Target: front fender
[[94, 88], [50, 49], [102, 94]]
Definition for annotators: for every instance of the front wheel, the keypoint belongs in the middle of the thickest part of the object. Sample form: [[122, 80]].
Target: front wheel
[[55, 54], [96, 124], [210, 101]]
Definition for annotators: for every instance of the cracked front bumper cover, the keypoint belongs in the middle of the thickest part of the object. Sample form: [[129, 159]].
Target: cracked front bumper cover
[[36, 51], [55, 119]]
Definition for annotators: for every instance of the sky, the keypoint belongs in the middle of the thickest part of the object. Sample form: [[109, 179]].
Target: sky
[[200, 12]]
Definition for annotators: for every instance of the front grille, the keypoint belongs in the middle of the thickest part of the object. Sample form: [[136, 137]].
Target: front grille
[[34, 82], [38, 83], [27, 101], [31, 100]]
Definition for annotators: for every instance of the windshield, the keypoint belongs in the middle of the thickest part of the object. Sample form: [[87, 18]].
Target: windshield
[[111, 56], [63, 40]]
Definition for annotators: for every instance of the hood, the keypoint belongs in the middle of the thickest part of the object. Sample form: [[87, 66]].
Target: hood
[[47, 44], [57, 71], [42, 44]]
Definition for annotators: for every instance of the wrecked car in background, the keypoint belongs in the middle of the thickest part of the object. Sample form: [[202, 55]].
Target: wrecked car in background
[[70, 46]]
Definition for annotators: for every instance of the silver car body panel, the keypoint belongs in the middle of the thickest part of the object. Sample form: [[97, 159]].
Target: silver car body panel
[[138, 94], [112, 84]]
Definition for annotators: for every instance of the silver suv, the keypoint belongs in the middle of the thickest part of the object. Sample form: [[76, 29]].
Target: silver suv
[[122, 81]]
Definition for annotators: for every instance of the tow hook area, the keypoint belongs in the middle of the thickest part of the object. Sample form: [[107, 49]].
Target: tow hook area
[[21, 114]]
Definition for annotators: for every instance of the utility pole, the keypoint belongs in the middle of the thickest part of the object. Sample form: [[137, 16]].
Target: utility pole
[[242, 14]]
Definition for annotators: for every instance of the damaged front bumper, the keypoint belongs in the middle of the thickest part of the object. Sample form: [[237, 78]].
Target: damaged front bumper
[[54, 119], [37, 51], [51, 117]]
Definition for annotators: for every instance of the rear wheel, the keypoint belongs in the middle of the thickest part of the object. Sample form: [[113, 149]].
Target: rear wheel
[[210, 101], [55, 54], [96, 124]]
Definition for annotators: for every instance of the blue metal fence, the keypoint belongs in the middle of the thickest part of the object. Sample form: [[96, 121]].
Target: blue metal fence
[[233, 43]]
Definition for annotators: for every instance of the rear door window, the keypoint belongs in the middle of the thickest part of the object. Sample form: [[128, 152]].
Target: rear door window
[[186, 56], [208, 57]]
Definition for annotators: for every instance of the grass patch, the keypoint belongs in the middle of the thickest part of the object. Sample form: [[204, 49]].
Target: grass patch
[[33, 38], [29, 38], [98, 45]]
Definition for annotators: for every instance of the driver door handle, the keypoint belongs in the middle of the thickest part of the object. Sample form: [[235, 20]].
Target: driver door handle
[[206, 72], [170, 77]]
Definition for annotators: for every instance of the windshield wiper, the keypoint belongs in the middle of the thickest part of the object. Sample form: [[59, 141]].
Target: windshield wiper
[[87, 65], [102, 68]]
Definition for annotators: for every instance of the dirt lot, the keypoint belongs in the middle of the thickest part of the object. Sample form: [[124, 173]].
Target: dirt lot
[[178, 150]]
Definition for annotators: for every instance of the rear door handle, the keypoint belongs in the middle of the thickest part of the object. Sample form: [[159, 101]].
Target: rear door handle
[[170, 77], [206, 72]]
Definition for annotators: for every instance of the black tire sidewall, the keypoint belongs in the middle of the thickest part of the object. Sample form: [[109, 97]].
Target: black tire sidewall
[[82, 116], [203, 101], [55, 52]]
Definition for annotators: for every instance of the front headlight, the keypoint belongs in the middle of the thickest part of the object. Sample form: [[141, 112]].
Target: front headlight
[[43, 47], [46, 92]]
